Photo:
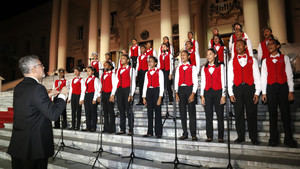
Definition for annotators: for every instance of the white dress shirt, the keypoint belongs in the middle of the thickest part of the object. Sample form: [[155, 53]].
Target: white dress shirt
[[97, 86], [203, 79], [288, 71], [76, 80], [161, 82], [256, 74], [133, 79], [113, 79], [133, 47], [194, 77], [163, 57]]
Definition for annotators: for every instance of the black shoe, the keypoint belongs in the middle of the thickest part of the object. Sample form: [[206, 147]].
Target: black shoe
[[76, 128], [239, 140], [159, 136], [56, 127], [148, 135], [272, 143], [85, 129], [92, 130], [194, 138], [208, 140], [291, 143], [120, 133], [140, 103], [220, 140], [72, 128], [183, 137], [129, 134], [255, 142]]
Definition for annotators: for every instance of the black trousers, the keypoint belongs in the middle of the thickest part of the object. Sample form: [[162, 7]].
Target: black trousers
[[109, 113], [168, 83], [64, 116], [212, 100], [90, 111], [244, 99], [124, 107], [134, 61], [96, 73], [76, 111], [184, 93], [29, 164], [152, 97], [141, 78], [277, 95]]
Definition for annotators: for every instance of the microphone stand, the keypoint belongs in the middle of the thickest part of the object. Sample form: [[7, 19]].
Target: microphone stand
[[101, 150], [228, 111], [132, 155], [62, 144], [176, 161], [167, 116]]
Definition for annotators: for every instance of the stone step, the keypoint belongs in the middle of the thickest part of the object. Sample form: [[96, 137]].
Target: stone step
[[206, 158], [201, 124], [82, 159]]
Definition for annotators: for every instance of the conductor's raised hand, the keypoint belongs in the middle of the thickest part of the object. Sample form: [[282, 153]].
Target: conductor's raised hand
[[64, 91]]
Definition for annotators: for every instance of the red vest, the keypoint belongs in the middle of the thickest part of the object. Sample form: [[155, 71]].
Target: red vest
[[149, 52], [135, 51], [143, 63], [95, 64], [89, 87], [164, 63], [213, 81], [276, 71], [186, 76], [243, 74], [106, 82], [194, 44], [153, 80], [265, 50], [124, 78], [59, 84], [211, 43], [234, 38], [76, 87], [220, 54], [192, 57]]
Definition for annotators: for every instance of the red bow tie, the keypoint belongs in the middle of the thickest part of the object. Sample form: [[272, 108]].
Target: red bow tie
[[244, 56], [152, 69]]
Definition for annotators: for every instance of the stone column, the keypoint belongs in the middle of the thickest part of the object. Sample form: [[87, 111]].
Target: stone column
[[251, 20], [105, 29], [277, 19], [165, 19], [53, 37], [93, 26], [63, 32], [183, 21]]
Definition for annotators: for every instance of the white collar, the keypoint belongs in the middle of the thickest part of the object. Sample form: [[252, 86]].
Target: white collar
[[274, 56]]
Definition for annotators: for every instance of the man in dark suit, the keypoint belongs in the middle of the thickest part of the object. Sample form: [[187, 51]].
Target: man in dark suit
[[31, 142]]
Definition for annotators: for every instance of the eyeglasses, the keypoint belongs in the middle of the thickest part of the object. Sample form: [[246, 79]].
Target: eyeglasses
[[39, 65]]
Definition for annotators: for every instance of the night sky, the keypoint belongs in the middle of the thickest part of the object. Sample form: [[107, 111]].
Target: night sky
[[11, 8]]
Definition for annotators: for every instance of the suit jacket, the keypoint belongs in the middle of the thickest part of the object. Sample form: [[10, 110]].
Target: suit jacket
[[32, 136]]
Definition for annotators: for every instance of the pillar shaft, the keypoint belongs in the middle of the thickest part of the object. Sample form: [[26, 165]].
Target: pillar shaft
[[93, 28], [105, 29], [277, 19], [63, 32], [251, 20], [165, 19], [53, 37], [184, 21]]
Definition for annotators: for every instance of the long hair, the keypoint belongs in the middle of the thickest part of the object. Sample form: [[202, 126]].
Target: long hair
[[216, 61], [220, 39], [168, 43]]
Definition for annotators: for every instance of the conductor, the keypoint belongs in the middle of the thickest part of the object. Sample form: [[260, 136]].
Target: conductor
[[31, 142]]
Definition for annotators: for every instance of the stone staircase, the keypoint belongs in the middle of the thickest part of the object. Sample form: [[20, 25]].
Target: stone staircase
[[208, 155]]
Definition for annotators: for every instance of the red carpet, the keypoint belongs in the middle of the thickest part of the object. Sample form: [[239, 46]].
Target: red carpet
[[6, 116]]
